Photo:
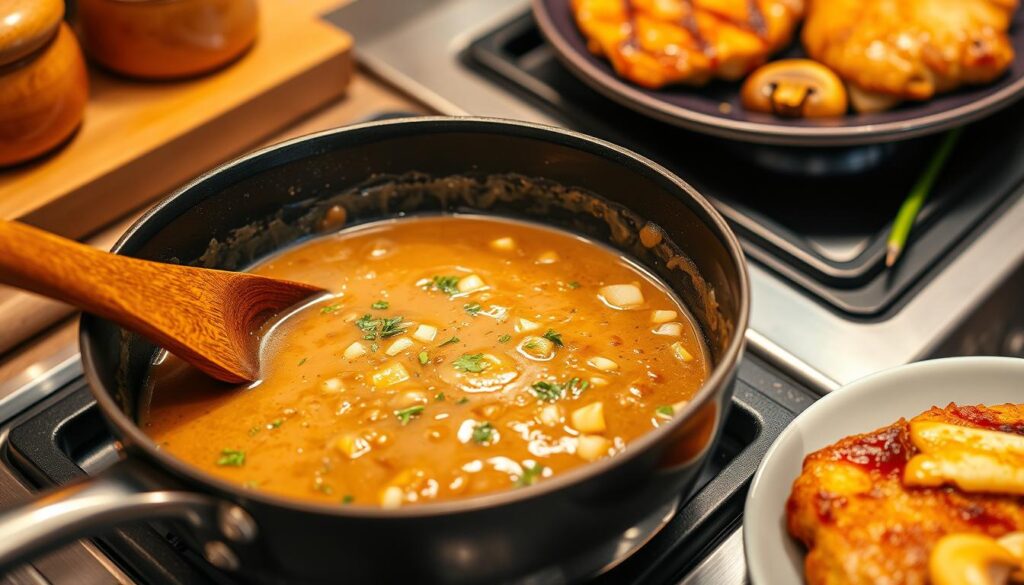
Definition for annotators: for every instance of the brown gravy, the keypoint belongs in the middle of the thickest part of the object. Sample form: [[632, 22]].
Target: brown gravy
[[458, 355]]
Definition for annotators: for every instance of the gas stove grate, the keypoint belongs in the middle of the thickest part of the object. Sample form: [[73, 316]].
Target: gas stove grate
[[65, 438]]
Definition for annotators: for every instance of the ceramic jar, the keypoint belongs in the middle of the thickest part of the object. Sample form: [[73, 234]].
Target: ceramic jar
[[43, 80], [166, 39]]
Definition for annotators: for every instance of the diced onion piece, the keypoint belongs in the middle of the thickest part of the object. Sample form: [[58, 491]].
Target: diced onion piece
[[599, 381], [527, 325], [504, 244], [389, 376], [622, 296], [680, 352], [603, 364], [401, 344], [352, 446], [589, 418], [332, 385], [661, 316], [549, 257], [425, 333], [540, 348], [470, 283], [551, 415], [592, 447], [669, 329], [392, 497], [355, 350]]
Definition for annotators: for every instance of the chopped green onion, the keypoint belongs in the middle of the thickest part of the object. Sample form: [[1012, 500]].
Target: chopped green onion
[[380, 305], [665, 411], [554, 337], [504, 338], [471, 362], [231, 458], [330, 308], [407, 414], [302, 361], [424, 358], [446, 284], [276, 424], [449, 341], [462, 400], [439, 397], [472, 308], [573, 284], [530, 475], [348, 499], [483, 433]]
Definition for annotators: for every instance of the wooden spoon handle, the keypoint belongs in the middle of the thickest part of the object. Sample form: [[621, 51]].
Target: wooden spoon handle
[[207, 317], [63, 269]]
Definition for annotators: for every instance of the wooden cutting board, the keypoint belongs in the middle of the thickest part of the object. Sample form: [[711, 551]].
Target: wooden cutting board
[[140, 140]]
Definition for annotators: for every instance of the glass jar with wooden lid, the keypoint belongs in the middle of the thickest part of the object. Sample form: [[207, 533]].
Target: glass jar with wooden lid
[[43, 81], [166, 39]]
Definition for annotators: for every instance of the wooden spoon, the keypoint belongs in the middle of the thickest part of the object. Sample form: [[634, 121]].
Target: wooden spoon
[[206, 317]]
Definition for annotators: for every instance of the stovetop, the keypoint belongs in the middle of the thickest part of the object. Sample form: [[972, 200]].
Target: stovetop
[[824, 230], [823, 305], [64, 438]]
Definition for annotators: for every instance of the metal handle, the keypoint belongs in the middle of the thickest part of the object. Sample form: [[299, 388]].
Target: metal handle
[[128, 491]]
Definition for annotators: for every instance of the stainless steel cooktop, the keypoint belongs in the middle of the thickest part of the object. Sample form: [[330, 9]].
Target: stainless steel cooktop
[[417, 45]]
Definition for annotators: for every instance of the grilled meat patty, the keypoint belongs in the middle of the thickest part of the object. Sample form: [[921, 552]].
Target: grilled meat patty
[[863, 525]]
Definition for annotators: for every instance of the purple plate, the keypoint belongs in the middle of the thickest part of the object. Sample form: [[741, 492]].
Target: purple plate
[[700, 109]]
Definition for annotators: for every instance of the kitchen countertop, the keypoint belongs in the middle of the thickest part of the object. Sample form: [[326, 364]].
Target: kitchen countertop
[[366, 96]]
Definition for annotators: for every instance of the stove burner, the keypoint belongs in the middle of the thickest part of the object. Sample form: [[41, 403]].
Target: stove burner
[[65, 438], [791, 224]]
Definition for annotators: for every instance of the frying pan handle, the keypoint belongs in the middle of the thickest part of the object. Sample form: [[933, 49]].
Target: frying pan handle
[[129, 491]]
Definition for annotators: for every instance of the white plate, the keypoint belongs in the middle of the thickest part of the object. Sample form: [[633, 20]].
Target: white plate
[[773, 557]]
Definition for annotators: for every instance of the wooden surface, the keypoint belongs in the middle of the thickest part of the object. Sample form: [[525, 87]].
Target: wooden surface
[[34, 328], [141, 139]]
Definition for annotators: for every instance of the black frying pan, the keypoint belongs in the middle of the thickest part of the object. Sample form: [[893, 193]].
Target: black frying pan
[[558, 530], [699, 109]]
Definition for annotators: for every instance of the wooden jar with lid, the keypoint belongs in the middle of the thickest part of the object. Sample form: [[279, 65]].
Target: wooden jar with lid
[[43, 81], [166, 39]]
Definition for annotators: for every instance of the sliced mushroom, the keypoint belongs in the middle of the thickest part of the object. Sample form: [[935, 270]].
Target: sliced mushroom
[[970, 559], [795, 88]]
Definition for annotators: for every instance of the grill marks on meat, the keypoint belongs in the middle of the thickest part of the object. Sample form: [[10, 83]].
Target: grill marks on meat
[[654, 43]]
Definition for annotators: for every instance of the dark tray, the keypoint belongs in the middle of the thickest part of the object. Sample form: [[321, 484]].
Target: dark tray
[[827, 234]]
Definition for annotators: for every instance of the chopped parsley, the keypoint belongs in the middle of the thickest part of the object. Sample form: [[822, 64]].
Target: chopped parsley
[[530, 475], [504, 338], [276, 424], [483, 433], [302, 361], [439, 397], [554, 337], [551, 391], [446, 284], [449, 341], [348, 499], [573, 284], [231, 458], [471, 362], [380, 305], [374, 347], [380, 327], [665, 411], [330, 308], [472, 308], [462, 400], [407, 414], [424, 357]]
